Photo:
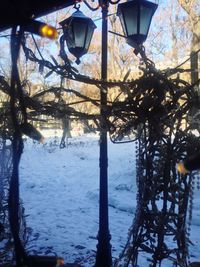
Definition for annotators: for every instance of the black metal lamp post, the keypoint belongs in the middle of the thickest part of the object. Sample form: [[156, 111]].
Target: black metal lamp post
[[104, 255], [136, 18]]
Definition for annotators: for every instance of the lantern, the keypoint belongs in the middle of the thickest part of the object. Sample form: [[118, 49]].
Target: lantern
[[78, 30], [135, 17]]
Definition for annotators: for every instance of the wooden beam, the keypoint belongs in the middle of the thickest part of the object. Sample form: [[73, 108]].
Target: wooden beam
[[18, 12]]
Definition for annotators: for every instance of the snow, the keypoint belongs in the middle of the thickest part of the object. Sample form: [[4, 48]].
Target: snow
[[59, 188], [60, 192]]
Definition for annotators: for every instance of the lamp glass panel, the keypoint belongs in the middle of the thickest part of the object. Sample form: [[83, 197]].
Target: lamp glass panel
[[80, 31], [122, 23], [89, 36], [146, 14], [130, 18], [69, 38]]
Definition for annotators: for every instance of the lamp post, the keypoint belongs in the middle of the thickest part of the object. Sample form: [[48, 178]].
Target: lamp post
[[103, 257], [135, 17]]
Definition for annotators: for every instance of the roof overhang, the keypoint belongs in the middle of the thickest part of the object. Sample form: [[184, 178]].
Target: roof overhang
[[19, 11]]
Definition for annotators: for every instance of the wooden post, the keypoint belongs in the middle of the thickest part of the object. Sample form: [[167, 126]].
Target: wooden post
[[194, 67], [194, 79]]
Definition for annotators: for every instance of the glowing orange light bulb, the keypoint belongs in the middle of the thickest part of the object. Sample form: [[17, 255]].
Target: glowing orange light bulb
[[181, 168], [60, 262], [48, 31]]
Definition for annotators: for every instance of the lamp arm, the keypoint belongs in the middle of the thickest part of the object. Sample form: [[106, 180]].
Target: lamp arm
[[114, 2], [141, 50], [77, 6], [90, 7], [62, 52]]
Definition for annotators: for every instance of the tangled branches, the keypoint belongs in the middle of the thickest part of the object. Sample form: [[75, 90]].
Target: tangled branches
[[154, 110], [6, 239]]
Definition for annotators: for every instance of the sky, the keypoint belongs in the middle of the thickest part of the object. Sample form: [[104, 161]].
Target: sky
[[157, 44]]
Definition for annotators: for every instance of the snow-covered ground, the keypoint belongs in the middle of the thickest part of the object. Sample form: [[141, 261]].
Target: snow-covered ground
[[60, 191]]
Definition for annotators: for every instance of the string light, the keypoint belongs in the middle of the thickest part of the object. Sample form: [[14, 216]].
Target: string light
[[190, 164], [181, 168], [48, 31], [42, 29], [60, 262]]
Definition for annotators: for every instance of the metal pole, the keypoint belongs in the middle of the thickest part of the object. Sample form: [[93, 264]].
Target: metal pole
[[103, 257]]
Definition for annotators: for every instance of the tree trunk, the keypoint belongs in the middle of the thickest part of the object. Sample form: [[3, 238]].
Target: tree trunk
[[191, 8]]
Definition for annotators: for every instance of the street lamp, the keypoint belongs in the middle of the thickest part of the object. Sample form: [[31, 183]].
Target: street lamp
[[78, 31], [136, 18]]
